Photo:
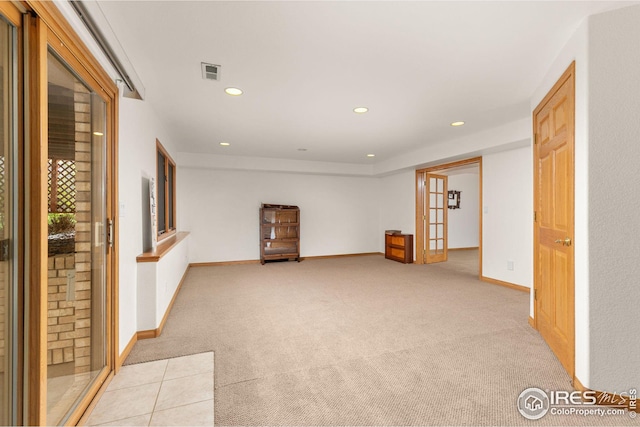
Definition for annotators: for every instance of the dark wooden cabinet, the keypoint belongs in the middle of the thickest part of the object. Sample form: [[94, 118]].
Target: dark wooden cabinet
[[399, 247], [279, 232]]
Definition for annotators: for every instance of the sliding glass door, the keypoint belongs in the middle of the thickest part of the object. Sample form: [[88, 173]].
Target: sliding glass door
[[58, 308], [8, 217], [77, 241]]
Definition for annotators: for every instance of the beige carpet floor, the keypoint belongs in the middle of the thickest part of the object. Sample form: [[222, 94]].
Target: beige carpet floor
[[362, 341]]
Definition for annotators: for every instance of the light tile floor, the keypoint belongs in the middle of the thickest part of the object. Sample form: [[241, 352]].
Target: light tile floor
[[169, 392]]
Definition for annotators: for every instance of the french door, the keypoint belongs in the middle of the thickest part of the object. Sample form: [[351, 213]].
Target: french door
[[431, 217], [436, 230]]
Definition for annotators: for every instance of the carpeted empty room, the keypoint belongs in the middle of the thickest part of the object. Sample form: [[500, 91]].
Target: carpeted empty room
[[361, 341]]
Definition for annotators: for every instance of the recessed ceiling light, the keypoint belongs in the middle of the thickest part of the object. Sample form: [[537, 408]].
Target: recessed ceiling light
[[360, 110], [457, 123], [371, 155], [98, 134], [233, 91], [225, 144]]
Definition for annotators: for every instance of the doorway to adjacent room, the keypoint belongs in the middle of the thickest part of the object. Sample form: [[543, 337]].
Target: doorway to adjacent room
[[438, 208]]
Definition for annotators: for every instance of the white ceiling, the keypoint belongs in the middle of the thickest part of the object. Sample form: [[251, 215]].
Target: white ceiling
[[304, 66]]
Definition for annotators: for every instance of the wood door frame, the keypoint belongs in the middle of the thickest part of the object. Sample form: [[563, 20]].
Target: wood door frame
[[13, 14], [420, 211], [168, 160], [569, 73], [49, 29], [36, 223]]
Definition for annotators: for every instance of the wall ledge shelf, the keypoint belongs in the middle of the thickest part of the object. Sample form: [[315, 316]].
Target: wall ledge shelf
[[163, 248]]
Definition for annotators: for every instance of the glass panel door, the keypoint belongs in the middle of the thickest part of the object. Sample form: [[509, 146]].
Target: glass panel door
[[77, 242], [436, 227], [8, 216]]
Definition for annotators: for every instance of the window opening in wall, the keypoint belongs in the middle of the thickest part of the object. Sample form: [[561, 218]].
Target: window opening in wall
[[166, 188]]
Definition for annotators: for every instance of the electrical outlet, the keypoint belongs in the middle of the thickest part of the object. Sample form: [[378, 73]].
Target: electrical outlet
[[510, 265]]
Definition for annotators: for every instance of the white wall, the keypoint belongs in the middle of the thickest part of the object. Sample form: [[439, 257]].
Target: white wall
[[338, 215], [157, 284], [171, 268], [614, 199], [227, 162], [507, 229], [139, 127], [463, 224], [510, 135], [397, 205]]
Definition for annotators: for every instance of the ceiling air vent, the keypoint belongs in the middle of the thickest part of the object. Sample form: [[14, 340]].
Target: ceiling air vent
[[210, 71]]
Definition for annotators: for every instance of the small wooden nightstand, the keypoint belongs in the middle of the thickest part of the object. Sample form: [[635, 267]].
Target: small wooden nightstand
[[399, 247]]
